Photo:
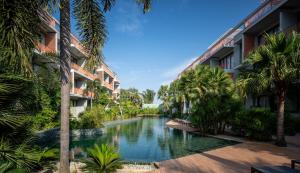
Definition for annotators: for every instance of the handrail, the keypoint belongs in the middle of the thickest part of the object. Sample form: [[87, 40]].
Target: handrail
[[83, 92], [83, 71]]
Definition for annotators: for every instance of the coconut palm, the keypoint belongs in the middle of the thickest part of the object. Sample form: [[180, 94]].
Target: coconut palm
[[148, 96], [19, 27], [274, 66], [102, 159], [162, 94], [91, 26]]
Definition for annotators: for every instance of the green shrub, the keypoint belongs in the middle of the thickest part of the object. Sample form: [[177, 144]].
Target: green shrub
[[149, 111], [102, 159], [45, 119], [254, 123]]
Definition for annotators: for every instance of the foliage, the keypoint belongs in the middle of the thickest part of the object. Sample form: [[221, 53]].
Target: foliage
[[101, 94], [162, 94], [17, 151], [210, 91], [148, 96], [254, 123], [102, 159], [131, 95], [273, 67], [92, 118], [149, 111]]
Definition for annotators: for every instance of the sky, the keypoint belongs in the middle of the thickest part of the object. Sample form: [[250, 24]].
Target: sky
[[148, 50]]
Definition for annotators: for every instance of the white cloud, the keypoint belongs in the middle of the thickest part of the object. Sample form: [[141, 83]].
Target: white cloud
[[173, 72]]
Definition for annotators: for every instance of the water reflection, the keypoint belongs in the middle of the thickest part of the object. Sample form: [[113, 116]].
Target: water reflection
[[148, 140]]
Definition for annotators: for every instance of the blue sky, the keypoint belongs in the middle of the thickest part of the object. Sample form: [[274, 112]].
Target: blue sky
[[148, 50]]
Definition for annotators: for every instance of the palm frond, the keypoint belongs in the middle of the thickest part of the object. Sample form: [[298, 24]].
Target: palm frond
[[91, 26]]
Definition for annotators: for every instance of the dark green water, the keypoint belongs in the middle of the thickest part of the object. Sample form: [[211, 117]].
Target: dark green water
[[148, 140]]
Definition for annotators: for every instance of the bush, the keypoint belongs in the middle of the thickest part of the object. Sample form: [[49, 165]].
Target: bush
[[45, 119], [91, 118], [254, 123], [102, 158], [149, 111]]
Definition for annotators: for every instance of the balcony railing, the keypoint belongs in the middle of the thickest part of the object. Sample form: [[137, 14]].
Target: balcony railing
[[43, 48], [78, 45], [83, 93], [261, 11], [83, 71], [107, 85], [222, 43]]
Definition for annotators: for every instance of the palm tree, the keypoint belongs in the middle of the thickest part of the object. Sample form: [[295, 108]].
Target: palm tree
[[274, 66], [148, 96], [19, 27], [162, 94], [91, 25]]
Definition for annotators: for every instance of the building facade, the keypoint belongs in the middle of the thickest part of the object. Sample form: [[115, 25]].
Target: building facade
[[80, 96], [231, 49]]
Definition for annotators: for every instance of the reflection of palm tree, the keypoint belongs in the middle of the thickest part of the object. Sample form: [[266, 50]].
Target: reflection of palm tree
[[148, 133], [132, 131]]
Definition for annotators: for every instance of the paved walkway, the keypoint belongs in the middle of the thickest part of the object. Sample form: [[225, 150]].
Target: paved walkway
[[234, 159]]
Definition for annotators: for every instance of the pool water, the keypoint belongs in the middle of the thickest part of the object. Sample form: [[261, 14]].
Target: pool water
[[148, 140]]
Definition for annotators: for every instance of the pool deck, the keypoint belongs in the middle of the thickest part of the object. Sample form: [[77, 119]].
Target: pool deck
[[176, 125], [234, 159]]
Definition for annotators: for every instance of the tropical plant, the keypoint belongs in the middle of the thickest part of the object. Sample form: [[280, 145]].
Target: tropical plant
[[91, 26], [17, 149], [162, 94], [102, 159], [131, 95], [273, 66], [148, 96], [19, 27]]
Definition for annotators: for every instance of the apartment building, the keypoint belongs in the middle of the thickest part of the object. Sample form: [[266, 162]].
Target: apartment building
[[80, 96], [231, 49]]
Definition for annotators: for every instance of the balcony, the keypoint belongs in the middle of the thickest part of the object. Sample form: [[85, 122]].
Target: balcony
[[77, 48], [261, 12], [78, 92], [43, 48], [48, 22], [107, 85], [219, 49], [83, 72]]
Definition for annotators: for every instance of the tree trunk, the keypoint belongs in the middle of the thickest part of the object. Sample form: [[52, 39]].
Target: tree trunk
[[280, 141], [65, 63]]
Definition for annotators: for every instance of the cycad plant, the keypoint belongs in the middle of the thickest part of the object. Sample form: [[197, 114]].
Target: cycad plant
[[273, 66], [102, 159]]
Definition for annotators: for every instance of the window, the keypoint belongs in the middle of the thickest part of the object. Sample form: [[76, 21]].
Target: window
[[261, 39], [226, 62]]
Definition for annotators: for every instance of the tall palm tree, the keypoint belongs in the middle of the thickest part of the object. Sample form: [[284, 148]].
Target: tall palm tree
[[162, 94], [91, 25], [19, 28], [274, 66], [148, 96]]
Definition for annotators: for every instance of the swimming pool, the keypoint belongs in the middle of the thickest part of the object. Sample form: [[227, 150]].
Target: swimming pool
[[148, 140]]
